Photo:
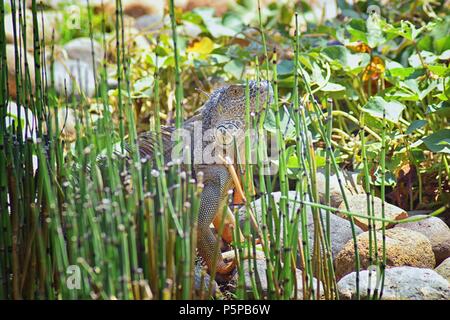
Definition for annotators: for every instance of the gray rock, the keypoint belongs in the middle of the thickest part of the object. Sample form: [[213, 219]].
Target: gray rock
[[75, 76], [340, 229], [81, 49], [436, 231], [12, 75], [149, 23], [404, 247], [401, 283], [48, 26], [444, 269], [202, 281], [348, 180], [139, 8], [358, 204], [261, 280]]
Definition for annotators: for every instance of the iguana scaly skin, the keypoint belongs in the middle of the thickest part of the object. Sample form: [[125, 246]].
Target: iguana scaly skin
[[224, 114]]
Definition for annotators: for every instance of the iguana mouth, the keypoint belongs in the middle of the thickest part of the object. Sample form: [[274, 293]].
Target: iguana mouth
[[226, 132]]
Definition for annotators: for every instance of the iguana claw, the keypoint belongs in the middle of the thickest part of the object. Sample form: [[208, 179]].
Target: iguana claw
[[225, 268], [225, 271]]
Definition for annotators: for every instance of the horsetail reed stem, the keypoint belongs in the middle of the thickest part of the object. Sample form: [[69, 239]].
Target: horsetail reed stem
[[383, 195]]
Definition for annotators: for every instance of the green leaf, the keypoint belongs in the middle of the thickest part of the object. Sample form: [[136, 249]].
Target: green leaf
[[214, 24], [427, 57], [287, 125], [426, 43], [389, 178], [396, 69], [357, 30], [438, 142], [401, 73], [285, 67], [219, 58], [416, 124], [377, 106], [441, 109], [293, 162], [445, 55], [142, 88], [332, 87], [235, 68], [440, 70], [347, 60], [442, 44]]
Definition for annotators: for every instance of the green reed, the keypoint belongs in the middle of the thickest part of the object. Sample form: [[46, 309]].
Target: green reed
[[130, 224]]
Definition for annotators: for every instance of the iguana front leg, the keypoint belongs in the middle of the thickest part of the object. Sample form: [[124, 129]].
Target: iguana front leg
[[229, 224], [213, 199]]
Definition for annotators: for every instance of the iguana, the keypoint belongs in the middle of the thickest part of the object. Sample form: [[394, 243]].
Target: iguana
[[224, 115]]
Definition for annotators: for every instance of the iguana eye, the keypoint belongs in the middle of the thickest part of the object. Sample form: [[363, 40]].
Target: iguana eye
[[235, 91]]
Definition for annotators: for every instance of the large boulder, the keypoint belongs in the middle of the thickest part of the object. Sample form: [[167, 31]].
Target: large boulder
[[404, 247], [260, 274], [134, 8], [49, 23], [340, 229], [436, 231], [444, 269], [400, 283], [134, 41], [86, 50], [72, 78], [26, 59], [202, 281], [29, 127], [347, 179], [358, 204]]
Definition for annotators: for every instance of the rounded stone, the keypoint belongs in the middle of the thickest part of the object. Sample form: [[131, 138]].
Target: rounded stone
[[436, 231], [11, 62], [444, 269], [400, 283], [340, 229], [404, 247]]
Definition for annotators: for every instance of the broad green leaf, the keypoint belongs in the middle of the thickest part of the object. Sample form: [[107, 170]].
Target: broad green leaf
[[377, 106], [426, 43], [416, 124], [347, 60], [445, 55], [293, 162], [442, 109], [287, 125], [401, 73], [219, 58], [442, 44], [332, 87], [235, 68], [440, 70], [389, 178], [438, 142], [427, 57], [396, 69], [357, 30], [285, 67], [143, 87], [316, 75], [214, 24]]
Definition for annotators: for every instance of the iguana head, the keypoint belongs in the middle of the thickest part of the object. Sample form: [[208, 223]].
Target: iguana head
[[225, 110]]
